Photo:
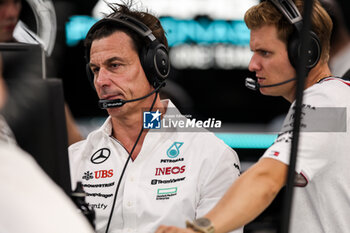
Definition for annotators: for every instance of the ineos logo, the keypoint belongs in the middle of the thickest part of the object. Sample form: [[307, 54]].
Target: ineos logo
[[100, 156]]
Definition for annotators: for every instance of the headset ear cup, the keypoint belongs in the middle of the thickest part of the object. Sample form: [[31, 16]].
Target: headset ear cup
[[161, 62], [293, 49], [155, 62], [313, 53]]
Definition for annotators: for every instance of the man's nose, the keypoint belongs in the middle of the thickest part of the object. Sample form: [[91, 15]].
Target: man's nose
[[254, 64], [103, 77]]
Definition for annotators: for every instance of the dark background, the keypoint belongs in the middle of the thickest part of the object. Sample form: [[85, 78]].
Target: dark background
[[213, 93]]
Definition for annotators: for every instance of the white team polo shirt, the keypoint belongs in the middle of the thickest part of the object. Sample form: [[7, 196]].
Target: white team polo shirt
[[177, 176], [323, 159]]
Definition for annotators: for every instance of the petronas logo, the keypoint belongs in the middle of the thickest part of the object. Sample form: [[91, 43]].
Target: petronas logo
[[173, 150]]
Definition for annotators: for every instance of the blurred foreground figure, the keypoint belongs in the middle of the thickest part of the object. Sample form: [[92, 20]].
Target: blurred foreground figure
[[30, 201], [9, 17]]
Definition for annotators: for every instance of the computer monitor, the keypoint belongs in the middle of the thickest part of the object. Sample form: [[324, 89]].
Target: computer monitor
[[35, 110]]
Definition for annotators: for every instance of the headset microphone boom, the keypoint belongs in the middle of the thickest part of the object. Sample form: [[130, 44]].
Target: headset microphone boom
[[254, 85]]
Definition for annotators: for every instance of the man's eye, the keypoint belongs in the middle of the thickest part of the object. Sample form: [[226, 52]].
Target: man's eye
[[113, 65], [95, 70], [264, 53]]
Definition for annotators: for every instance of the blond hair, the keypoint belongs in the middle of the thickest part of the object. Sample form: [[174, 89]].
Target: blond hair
[[266, 13]]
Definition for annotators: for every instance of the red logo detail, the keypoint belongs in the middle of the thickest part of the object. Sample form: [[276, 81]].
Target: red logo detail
[[103, 174], [170, 170], [276, 153]]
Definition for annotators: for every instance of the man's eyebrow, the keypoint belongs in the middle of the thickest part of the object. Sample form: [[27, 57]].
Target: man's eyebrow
[[260, 50], [109, 60], [113, 59]]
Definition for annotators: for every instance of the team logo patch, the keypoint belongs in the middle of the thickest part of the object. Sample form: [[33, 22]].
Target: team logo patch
[[166, 193], [151, 120], [170, 170], [173, 150], [156, 181], [106, 185], [100, 156], [88, 175], [167, 190], [99, 195], [101, 174], [275, 153], [99, 206]]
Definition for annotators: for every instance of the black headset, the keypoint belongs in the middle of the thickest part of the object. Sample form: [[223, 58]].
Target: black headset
[[292, 14], [154, 55]]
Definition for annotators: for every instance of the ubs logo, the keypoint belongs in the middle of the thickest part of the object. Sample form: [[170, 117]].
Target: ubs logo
[[100, 156]]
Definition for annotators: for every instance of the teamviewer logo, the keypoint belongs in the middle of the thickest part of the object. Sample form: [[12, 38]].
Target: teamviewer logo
[[151, 120]]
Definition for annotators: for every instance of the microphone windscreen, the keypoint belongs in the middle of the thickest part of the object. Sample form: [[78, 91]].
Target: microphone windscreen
[[104, 104], [251, 84]]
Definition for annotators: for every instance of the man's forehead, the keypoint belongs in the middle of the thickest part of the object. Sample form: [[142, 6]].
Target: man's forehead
[[265, 37], [266, 32], [115, 39], [116, 47]]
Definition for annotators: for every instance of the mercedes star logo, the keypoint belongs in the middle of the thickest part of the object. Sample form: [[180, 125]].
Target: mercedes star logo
[[100, 156]]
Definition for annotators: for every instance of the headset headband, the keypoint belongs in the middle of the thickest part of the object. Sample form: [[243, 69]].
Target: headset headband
[[129, 22], [290, 12], [124, 20]]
